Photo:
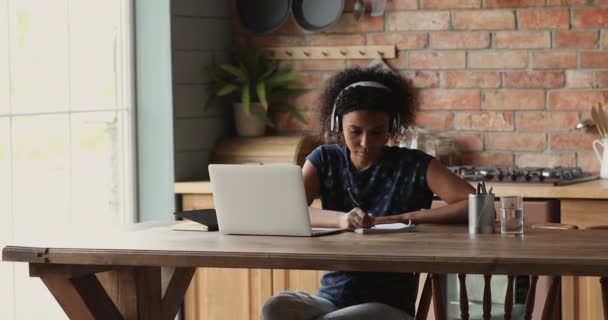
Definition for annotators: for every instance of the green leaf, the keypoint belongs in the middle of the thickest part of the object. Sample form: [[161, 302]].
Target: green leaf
[[271, 69], [226, 90], [246, 99], [261, 91], [238, 73], [295, 112], [283, 79], [262, 116]]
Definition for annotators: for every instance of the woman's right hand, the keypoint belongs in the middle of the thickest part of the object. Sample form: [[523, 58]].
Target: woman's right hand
[[356, 218]]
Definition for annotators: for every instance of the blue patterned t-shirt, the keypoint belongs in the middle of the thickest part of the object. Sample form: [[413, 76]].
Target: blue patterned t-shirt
[[395, 184]]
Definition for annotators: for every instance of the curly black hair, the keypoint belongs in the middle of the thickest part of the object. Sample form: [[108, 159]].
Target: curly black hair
[[402, 98]]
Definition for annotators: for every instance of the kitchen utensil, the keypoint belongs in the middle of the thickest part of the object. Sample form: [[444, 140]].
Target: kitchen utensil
[[378, 8], [584, 124], [263, 16], [316, 15], [598, 122], [358, 9], [602, 157]]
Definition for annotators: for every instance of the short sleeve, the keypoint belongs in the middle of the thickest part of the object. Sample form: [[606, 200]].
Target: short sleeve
[[316, 157]]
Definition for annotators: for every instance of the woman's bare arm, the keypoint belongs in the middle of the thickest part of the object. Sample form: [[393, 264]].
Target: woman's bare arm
[[321, 218], [450, 188]]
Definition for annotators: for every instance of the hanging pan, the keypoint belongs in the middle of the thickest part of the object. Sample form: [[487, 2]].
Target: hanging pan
[[316, 15], [263, 16]]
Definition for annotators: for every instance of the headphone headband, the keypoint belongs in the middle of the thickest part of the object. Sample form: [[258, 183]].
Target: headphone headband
[[369, 84]]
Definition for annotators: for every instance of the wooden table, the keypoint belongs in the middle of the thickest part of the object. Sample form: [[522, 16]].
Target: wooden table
[[68, 265]]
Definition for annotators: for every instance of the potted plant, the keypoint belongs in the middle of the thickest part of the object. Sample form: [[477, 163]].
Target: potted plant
[[252, 83]]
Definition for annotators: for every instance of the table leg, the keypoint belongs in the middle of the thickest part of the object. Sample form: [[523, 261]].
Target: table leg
[[82, 296]]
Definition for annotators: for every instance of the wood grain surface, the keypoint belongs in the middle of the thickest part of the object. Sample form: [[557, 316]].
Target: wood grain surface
[[436, 249]]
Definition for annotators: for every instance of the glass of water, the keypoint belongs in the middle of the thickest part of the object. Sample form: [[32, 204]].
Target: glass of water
[[511, 216]]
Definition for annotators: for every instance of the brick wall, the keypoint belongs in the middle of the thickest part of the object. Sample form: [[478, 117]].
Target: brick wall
[[507, 79]]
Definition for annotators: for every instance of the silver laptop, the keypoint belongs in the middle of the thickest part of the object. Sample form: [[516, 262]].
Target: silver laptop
[[261, 200]]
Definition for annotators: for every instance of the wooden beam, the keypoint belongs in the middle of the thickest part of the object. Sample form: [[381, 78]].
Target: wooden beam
[[174, 296], [68, 297], [96, 298], [66, 270], [149, 292]]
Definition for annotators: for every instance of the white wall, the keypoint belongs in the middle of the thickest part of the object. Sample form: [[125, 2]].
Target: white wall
[[7, 302]]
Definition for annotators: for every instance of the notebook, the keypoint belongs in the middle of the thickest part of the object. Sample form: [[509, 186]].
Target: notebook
[[388, 228], [258, 199], [197, 220]]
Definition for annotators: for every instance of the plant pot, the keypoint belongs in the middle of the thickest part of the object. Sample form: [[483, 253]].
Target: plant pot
[[248, 125]]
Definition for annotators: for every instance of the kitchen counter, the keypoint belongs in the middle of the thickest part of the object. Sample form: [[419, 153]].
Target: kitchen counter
[[596, 189]]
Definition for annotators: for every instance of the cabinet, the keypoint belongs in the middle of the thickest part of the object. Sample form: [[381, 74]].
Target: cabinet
[[582, 296]]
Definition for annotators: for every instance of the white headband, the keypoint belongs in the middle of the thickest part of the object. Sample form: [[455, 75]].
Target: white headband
[[372, 84]]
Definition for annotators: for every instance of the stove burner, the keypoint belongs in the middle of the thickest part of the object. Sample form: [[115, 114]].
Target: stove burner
[[556, 176]]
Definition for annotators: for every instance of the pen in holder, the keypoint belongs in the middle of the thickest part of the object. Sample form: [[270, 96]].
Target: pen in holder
[[481, 211]]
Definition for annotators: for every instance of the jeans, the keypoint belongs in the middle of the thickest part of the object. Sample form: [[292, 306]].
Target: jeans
[[299, 305]]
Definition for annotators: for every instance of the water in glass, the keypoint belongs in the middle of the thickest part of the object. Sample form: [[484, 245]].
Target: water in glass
[[512, 221]]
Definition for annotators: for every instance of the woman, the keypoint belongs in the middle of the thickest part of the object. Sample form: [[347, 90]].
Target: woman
[[364, 182]]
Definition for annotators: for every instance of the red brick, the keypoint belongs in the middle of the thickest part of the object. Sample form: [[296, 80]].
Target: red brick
[[486, 159], [278, 41], [590, 18], [594, 59], [513, 100], [437, 60], [483, 19], [321, 64], [516, 141], [572, 141], [498, 59], [401, 4], [543, 19], [462, 40], [336, 40], [588, 162], [436, 120], [601, 79], [522, 39], [441, 99], [427, 20], [467, 79], [546, 121], [513, 3], [579, 78], [309, 80], [576, 39], [480, 121], [547, 59], [450, 4], [601, 2], [286, 124], [567, 2], [534, 79], [348, 24], [545, 160], [423, 79], [401, 40], [576, 99], [466, 141], [307, 101]]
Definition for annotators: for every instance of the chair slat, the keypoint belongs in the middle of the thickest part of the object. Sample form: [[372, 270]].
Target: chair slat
[[531, 297], [438, 297], [604, 283], [464, 298], [509, 297], [487, 297], [551, 309], [425, 299]]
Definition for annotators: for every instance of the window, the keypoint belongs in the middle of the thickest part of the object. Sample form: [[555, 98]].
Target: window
[[66, 133]]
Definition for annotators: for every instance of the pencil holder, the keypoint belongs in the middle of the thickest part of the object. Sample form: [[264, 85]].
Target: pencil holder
[[481, 213]]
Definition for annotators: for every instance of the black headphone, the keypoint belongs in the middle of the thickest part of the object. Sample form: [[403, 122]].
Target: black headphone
[[334, 125]]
